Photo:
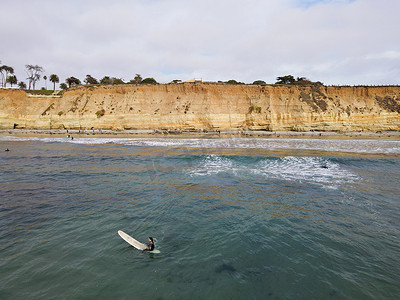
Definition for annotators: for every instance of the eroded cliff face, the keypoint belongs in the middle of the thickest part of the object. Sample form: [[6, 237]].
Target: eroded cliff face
[[206, 106]]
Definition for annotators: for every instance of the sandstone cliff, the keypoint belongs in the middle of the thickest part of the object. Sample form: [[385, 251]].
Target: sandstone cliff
[[207, 106]]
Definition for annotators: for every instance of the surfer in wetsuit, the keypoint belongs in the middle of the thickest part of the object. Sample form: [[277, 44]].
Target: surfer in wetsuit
[[150, 246]]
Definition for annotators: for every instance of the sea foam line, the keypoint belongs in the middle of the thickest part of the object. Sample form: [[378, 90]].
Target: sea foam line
[[332, 145]]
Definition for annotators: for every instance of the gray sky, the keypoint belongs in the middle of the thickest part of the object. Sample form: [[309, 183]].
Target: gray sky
[[333, 41]]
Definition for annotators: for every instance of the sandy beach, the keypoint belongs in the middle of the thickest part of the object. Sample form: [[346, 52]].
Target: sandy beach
[[395, 135]]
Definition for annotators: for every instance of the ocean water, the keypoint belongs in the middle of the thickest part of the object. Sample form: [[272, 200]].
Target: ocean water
[[233, 218]]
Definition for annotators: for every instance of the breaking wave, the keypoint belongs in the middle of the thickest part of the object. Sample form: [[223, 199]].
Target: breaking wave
[[314, 170], [365, 146]]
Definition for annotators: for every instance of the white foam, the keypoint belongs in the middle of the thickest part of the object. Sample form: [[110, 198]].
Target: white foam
[[349, 146], [315, 170], [212, 164]]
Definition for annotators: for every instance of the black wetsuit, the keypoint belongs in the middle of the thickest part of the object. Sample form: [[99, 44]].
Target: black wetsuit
[[150, 247]]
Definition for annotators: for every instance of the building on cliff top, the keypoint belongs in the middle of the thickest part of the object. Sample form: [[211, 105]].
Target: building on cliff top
[[189, 81]]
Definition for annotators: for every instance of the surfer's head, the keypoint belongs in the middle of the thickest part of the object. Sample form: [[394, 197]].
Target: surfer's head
[[150, 239]]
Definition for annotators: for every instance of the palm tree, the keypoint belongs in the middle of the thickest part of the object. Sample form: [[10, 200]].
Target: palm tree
[[22, 85], [12, 80], [54, 79], [7, 70], [34, 74], [45, 81], [3, 78]]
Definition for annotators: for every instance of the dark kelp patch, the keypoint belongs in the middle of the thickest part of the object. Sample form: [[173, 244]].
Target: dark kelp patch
[[225, 268]]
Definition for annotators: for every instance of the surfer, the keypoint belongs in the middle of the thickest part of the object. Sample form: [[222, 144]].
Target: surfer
[[150, 246]]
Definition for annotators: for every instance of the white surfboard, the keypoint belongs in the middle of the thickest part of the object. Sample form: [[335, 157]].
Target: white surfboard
[[131, 241]]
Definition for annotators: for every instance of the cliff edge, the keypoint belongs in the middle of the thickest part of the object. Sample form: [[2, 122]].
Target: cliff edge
[[206, 106]]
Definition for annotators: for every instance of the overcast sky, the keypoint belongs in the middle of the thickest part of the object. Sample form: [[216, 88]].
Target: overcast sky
[[333, 41]]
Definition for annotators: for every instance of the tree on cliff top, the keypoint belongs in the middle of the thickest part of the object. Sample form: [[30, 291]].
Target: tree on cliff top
[[12, 80], [305, 81], [72, 81], [288, 79], [22, 85], [45, 80], [34, 73], [106, 80], [112, 80], [5, 71], [149, 80], [54, 79], [90, 80], [117, 80], [233, 81], [259, 82], [138, 79]]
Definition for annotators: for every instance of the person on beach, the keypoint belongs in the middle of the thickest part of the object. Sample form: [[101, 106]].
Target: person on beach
[[150, 246]]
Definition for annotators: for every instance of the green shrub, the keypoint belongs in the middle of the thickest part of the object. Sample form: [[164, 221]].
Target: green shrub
[[149, 81], [256, 109], [100, 113]]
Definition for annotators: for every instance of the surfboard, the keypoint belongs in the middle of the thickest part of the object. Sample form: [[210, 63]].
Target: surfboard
[[131, 241]]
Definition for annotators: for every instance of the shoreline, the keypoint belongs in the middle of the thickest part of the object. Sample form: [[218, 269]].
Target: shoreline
[[392, 135]]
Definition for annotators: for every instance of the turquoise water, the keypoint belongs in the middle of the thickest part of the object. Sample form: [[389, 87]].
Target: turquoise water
[[233, 218]]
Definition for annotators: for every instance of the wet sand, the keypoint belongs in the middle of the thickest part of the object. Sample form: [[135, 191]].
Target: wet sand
[[395, 135]]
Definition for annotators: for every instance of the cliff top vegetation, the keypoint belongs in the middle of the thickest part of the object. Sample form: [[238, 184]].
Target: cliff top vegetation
[[35, 72]]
